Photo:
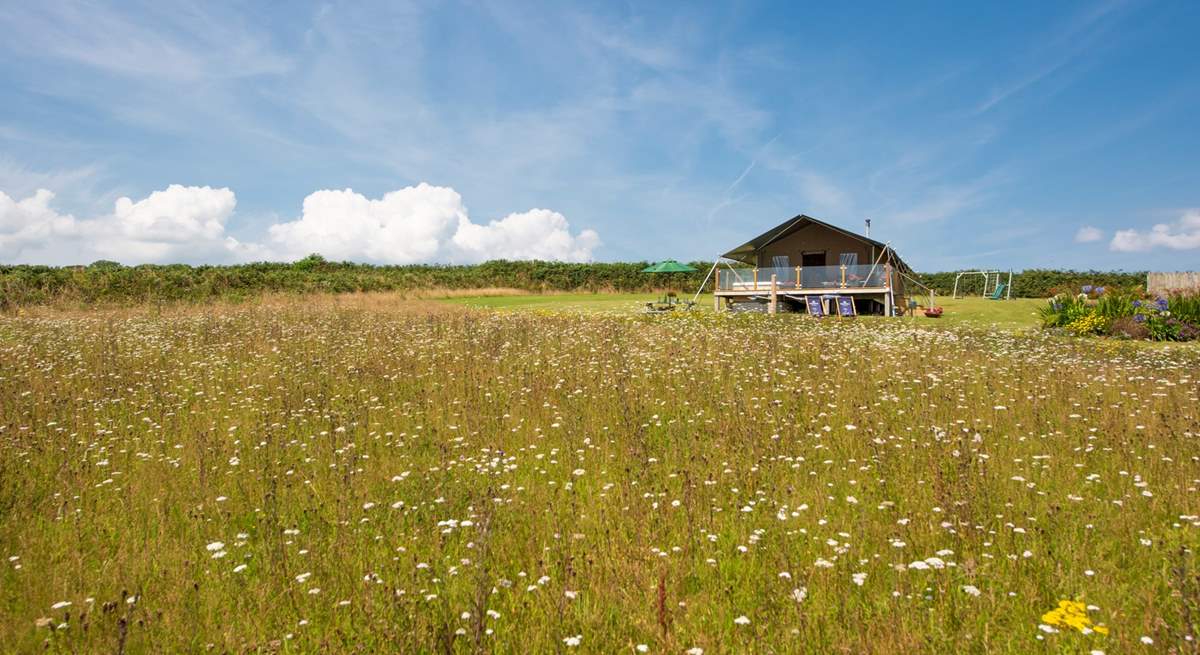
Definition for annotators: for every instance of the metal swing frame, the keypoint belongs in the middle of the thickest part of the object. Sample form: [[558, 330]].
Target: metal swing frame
[[989, 282]]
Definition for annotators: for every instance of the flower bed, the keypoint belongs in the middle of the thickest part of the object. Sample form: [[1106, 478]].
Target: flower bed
[[1125, 314]]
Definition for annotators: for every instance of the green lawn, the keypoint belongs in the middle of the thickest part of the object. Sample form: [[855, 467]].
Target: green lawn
[[1006, 314], [584, 302]]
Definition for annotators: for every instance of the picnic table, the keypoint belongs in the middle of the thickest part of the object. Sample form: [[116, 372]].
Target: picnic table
[[668, 303]]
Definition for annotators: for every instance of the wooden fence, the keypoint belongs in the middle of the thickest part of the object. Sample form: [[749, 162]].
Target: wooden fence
[[1157, 283]]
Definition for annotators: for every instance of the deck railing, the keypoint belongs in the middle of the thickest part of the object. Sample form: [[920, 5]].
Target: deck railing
[[803, 277]]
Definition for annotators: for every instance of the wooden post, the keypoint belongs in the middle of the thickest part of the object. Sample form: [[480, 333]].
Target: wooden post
[[887, 295], [756, 278], [773, 308], [799, 277], [717, 288], [843, 276]]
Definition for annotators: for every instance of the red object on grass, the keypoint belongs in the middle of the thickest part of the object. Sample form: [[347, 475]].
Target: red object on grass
[[933, 312]]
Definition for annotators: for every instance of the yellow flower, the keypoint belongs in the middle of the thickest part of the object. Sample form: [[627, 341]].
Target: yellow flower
[[1072, 614]]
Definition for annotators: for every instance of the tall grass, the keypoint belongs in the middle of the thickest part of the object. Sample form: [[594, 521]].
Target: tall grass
[[1185, 307], [371, 477]]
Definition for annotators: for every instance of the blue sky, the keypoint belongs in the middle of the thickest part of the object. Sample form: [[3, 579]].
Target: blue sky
[[993, 135]]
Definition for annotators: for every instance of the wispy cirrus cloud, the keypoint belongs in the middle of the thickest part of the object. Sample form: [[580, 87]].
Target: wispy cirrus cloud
[[181, 43], [1083, 32]]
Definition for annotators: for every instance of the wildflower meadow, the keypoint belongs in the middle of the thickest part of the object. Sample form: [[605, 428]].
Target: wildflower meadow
[[325, 475]]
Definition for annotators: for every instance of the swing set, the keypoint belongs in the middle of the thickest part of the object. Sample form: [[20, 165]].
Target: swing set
[[993, 288]]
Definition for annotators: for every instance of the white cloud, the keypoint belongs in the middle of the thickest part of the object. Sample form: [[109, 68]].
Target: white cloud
[[167, 226], [198, 43], [420, 224], [423, 224], [535, 234], [31, 223], [176, 224], [1183, 234], [941, 203], [824, 196], [1088, 234], [404, 227]]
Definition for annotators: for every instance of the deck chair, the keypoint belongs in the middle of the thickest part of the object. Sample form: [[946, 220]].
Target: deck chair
[[816, 306], [845, 306], [999, 292]]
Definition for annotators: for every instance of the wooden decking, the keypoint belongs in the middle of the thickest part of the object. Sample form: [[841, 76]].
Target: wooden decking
[[789, 283], [794, 291]]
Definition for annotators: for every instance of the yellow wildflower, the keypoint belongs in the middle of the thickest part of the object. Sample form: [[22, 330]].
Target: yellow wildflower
[[1072, 614]]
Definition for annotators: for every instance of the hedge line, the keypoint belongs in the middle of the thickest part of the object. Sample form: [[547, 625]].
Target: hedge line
[[1037, 282], [111, 283]]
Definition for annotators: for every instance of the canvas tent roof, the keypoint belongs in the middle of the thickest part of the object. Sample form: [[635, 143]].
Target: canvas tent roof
[[746, 252]]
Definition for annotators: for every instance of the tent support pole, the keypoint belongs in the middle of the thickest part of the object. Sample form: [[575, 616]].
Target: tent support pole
[[883, 252], [701, 289]]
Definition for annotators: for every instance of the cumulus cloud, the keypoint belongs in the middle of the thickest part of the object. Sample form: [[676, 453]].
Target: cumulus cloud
[[1183, 234], [404, 227], [423, 223], [535, 234], [31, 223], [1088, 234], [188, 224], [171, 225], [179, 223]]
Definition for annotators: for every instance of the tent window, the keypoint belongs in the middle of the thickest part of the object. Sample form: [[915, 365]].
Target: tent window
[[848, 259]]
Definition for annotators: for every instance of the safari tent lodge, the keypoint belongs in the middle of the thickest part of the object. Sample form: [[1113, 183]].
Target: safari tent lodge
[[807, 265]]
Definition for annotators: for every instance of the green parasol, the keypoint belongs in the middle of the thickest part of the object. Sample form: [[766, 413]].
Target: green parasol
[[668, 266]]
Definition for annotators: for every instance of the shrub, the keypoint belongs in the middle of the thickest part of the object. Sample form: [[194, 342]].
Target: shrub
[[1185, 307], [1162, 328], [1040, 283], [1116, 304], [1188, 331], [109, 282], [1129, 328], [1061, 311]]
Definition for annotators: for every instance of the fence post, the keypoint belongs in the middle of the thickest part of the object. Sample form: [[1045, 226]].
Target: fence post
[[774, 306], [756, 278], [843, 276], [798, 284]]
